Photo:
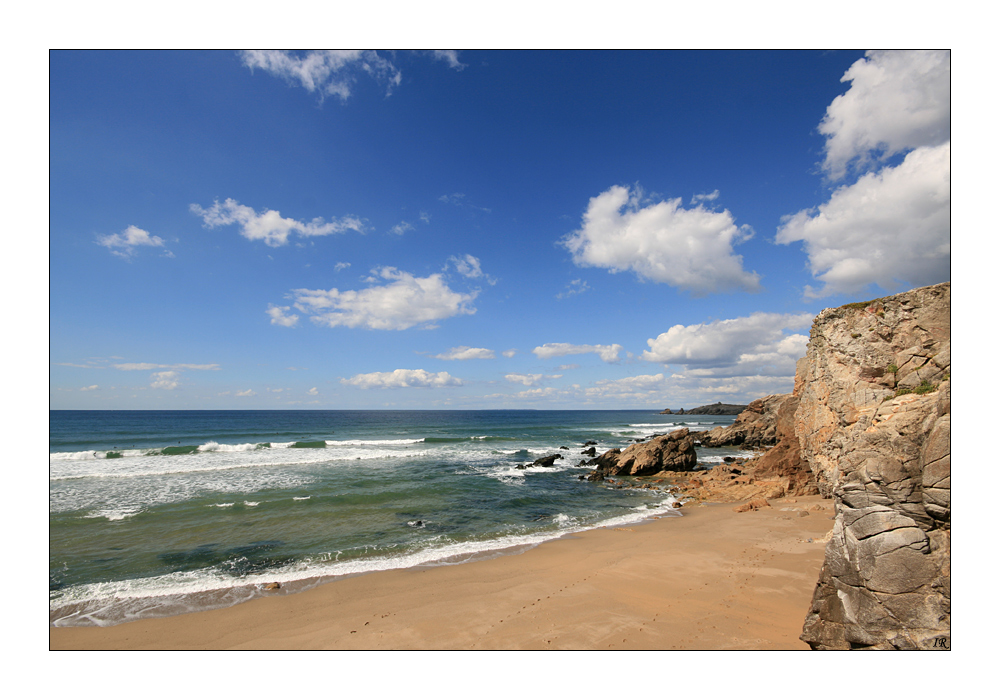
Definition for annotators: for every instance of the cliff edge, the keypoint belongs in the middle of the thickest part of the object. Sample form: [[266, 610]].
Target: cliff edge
[[873, 423]]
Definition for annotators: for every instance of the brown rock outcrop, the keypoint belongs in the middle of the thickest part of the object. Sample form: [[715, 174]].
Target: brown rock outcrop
[[783, 462], [884, 456], [671, 452], [756, 426]]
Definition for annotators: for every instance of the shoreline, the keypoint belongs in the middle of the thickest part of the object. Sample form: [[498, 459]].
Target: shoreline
[[711, 579], [291, 583]]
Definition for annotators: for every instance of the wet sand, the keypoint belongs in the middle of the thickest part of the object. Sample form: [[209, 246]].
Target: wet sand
[[712, 579]]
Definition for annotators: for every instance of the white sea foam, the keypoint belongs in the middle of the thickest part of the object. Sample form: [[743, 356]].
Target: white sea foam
[[720, 458], [114, 514], [337, 443], [217, 457], [120, 601], [213, 446], [563, 520]]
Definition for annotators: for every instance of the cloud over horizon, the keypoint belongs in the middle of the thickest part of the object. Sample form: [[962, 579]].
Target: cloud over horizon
[[751, 345], [466, 353], [608, 353], [530, 379], [164, 380], [403, 379]]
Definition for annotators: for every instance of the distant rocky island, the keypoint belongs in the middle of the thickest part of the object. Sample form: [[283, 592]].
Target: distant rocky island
[[716, 409]]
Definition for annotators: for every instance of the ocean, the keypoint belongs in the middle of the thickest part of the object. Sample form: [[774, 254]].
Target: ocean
[[155, 513]]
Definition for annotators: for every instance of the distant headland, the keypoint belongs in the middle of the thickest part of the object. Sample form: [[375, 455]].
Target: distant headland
[[716, 409]]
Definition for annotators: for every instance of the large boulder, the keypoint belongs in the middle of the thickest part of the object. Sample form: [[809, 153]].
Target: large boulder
[[873, 423], [671, 452]]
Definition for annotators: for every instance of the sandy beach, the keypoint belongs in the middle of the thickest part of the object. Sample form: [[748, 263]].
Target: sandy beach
[[712, 579]]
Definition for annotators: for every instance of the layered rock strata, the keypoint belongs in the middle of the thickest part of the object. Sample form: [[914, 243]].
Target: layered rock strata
[[874, 423]]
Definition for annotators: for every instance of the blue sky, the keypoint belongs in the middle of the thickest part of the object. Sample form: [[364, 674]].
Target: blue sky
[[478, 229]]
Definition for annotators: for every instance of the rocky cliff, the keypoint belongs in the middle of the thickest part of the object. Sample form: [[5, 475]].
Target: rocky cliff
[[873, 423]]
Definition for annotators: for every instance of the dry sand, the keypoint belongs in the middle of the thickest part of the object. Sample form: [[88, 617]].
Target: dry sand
[[712, 579]]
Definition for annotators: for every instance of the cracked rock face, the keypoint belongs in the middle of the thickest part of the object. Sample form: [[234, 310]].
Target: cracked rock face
[[884, 456]]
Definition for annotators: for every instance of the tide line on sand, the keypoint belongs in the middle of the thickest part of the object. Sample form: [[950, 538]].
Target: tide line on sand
[[712, 579]]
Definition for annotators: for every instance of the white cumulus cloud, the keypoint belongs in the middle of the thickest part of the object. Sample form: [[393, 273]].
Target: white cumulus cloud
[[750, 345], [898, 100], [329, 72], [889, 227], [403, 379], [248, 392], [124, 244], [269, 226], [404, 302], [466, 353], [280, 317], [691, 249], [642, 389], [608, 353]]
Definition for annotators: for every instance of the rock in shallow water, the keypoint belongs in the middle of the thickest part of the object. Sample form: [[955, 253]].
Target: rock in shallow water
[[672, 452]]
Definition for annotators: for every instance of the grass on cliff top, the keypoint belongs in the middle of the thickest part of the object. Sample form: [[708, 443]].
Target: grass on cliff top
[[860, 304], [925, 387]]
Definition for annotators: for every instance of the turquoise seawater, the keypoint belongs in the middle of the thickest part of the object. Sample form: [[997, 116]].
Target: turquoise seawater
[[156, 513]]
